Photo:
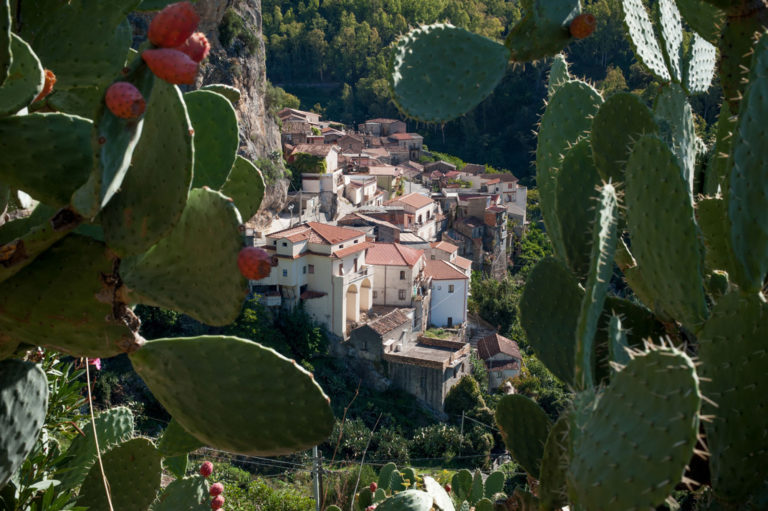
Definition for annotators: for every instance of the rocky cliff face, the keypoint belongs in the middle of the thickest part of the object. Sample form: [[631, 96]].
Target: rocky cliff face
[[241, 63]]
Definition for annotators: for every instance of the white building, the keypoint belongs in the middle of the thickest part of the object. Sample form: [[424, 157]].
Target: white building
[[362, 191], [444, 251], [450, 290], [398, 273], [325, 267], [423, 211], [502, 358]]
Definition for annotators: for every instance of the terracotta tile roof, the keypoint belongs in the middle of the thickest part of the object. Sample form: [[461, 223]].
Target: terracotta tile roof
[[384, 170], [314, 149], [462, 262], [506, 177], [495, 344], [316, 232], [496, 209], [452, 174], [443, 270], [473, 168], [401, 136], [359, 247], [393, 254], [445, 246], [414, 199], [389, 322], [492, 181]]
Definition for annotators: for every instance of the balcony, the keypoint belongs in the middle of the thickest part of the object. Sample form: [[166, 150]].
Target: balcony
[[360, 274]]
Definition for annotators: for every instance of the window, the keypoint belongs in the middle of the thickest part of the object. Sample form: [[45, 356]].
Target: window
[[401, 294], [285, 273], [402, 275], [450, 322], [375, 294], [450, 288], [285, 243], [341, 245], [356, 241], [364, 347], [341, 268], [311, 268], [432, 257], [304, 270], [355, 263]]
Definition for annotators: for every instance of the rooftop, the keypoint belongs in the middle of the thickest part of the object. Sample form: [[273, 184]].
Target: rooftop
[[316, 232], [443, 270], [401, 136], [463, 262], [315, 149], [352, 249], [414, 199], [445, 246], [389, 322], [381, 120], [494, 344], [393, 254]]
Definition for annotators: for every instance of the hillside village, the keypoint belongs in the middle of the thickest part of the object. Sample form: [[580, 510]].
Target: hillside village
[[380, 249]]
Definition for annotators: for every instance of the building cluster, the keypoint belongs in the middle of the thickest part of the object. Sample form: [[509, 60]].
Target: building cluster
[[386, 271]]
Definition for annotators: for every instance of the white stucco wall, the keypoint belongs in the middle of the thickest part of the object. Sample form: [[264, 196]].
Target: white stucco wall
[[445, 304]]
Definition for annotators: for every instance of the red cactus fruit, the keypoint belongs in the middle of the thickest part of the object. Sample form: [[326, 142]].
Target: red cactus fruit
[[196, 46], [217, 502], [254, 263], [583, 25], [171, 65], [173, 25], [50, 81], [448, 487], [124, 100], [374, 486], [216, 489], [206, 469]]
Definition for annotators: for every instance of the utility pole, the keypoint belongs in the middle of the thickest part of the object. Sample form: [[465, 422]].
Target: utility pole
[[316, 469]]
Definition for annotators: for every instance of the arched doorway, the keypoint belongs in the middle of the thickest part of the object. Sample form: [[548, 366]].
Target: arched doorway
[[366, 295], [353, 304]]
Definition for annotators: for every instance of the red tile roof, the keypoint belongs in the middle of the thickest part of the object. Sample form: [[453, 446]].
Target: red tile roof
[[343, 252], [389, 322], [463, 262], [401, 136], [315, 149], [414, 199], [316, 232], [393, 254], [445, 246], [495, 344], [442, 270]]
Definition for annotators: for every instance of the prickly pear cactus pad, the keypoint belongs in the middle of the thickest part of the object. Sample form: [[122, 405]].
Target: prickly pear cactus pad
[[643, 39], [177, 465], [385, 475], [619, 122], [216, 137], [441, 72], [575, 198], [701, 63], [70, 289], [711, 215], [236, 395], [494, 483], [229, 92], [23, 403], [187, 494], [175, 440], [439, 495], [133, 471], [5, 40], [543, 31], [703, 17], [633, 449], [25, 78], [138, 216], [524, 427], [568, 117], [461, 484], [747, 201], [672, 34], [194, 269], [408, 500], [554, 464], [674, 115], [734, 367], [558, 74], [245, 185], [476, 493], [113, 426], [552, 292], [663, 232], [46, 155]]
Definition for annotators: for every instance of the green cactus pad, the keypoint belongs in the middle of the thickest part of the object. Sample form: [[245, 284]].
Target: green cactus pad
[[719, 167], [461, 484], [619, 122], [439, 495], [440, 72], [554, 463], [568, 117], [700, 65], [596, 289], [617, 342], [133, 471], [137, 217], [643, 39], [408, 500], [672, 34], [379, 495], [385, 475], [733, 368], [245, 185], [410, 476], [229, 92], [175, 440], [184, 494], [46, 155], [575, 198], [23, 404], [494, 483], [194, 269], [552, 292], [89, 27], [484, 504], [6, 55], [25, 78], [748, 186], [558, 74], [675, 119], [477, 491], [364, 498], [637, 322], [737, 44], [711, 215], [208, 395], [704, 18], [524, 427], [634, 446], [177, 465], [663, 232], [71, 289], [216, 137], [113, 426], [397, 481], [34, 242], [543, 30]]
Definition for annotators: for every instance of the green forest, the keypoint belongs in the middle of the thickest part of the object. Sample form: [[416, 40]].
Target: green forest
[[334, 55]]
